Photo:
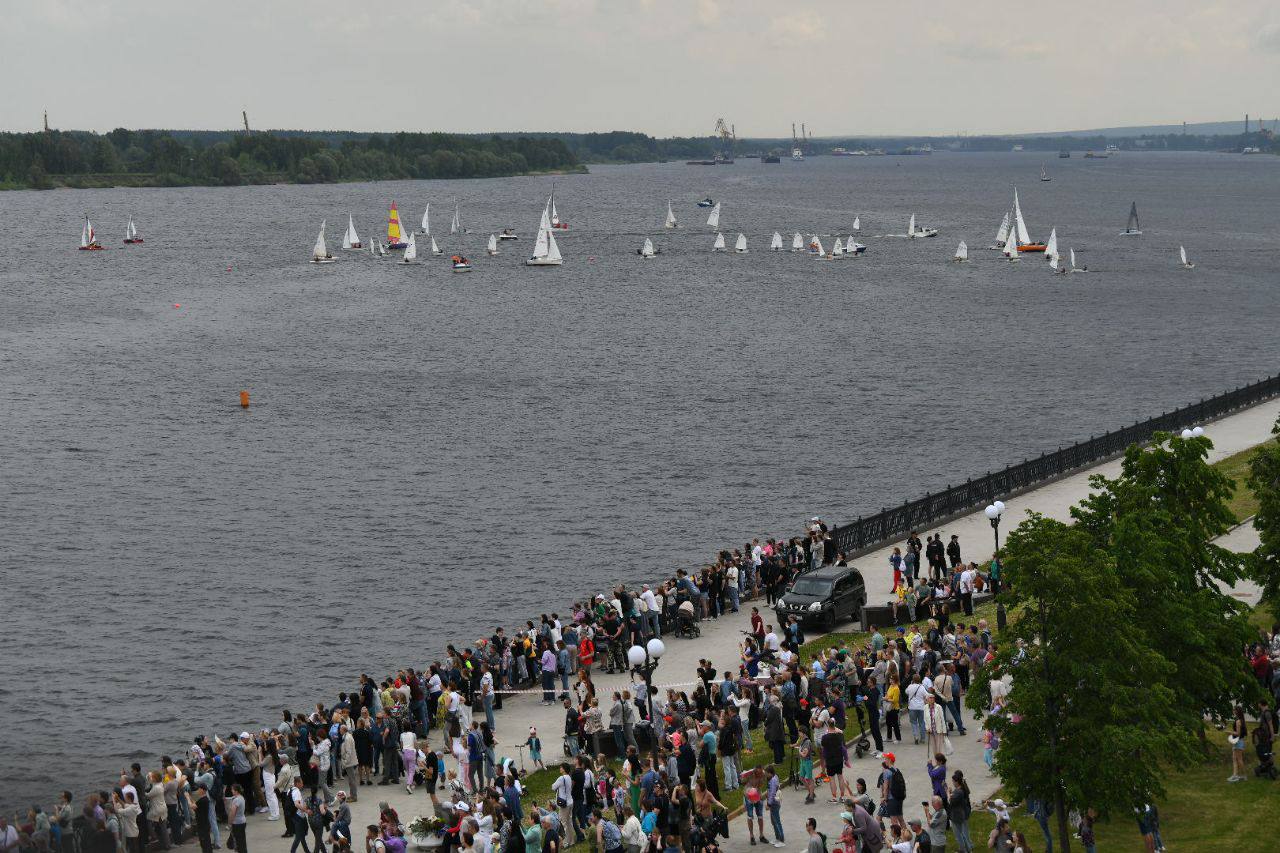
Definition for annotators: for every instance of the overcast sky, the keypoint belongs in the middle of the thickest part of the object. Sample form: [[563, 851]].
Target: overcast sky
[[666, 67]]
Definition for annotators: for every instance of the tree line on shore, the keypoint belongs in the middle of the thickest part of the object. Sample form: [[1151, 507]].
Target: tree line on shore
[[1124, 640], [162, 158]]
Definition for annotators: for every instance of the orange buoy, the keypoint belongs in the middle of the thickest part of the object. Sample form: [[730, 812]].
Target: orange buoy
[[244, 399], [177, 305]]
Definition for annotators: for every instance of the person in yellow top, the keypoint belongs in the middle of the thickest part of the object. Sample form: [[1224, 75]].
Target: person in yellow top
[[893, 704], [913, 637]]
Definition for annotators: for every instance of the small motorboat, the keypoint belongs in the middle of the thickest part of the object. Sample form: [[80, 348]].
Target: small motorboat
[[131, 235], [88, 239], [461, 264], [854, 248], [706, 202], [508, 234]]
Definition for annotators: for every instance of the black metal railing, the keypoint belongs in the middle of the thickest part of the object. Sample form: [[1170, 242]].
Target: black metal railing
[[895, 522]]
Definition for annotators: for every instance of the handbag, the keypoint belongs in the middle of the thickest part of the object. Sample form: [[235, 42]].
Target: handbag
[[947, 748]]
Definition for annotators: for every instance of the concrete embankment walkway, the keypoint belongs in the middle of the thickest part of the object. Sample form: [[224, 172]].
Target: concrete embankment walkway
[[720, 642]]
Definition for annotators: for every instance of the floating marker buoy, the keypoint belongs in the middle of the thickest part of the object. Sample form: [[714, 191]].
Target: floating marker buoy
[[177, 305], [244, 399]]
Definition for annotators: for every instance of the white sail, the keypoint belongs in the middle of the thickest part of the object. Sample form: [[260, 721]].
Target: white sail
[[1051, 248], [815, 246], [426, 219], [542, 244], [838, 248], [435, 250], [718, 245], [1023, 237], [1133, 227], [1073, 258], [493, 244], [1053, 263], [555, 217], [740, 245], [373, 247], [382, 248], [857, 223], [411, 250], [775, 245], [553, 250], [911, 226], [647, 249], [456, 225], [1182, 253], [350, 239], [319, 250], [86, 234], [1010, 249], [962, 252], [129, 231], [797, 242], [1003, 234], [714, 219], [671, 216]]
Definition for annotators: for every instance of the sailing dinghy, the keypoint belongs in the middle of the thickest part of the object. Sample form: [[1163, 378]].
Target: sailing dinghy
[[131, 233], [395, 235], [797, 242], [1002, 234], [351, 240], [837, 250], [962, 253], [1044, 176], [854, 248], [815, 246], [718, 245], [1186, 264], [456, 225], [545, 251], [492, 248], [857, 224], [410, 250], [671, 218], [713, 220], [1051, 248], [775, 245], [1132, 229], [1010, 250], [740, 245], [88, 239], [913, 231], [1074, 268], [320, 252], [1018, 232], [426, 220], [647, 250], [435, 250], [373, 248]]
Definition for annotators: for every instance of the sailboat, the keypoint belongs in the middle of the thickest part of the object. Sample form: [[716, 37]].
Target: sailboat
[[1132, 229], [555, 217], [718, 245], [351, 240], [1003, 233], [1044, 176], [1186, 264], [456, 225], [395, 236], [740, 245], [1019, 234], [373, 248], [382, 248], [492, 248], [913, 232], [426, 220], [857, 224], [320, 252], [545, 251], [837, 250], [775, 245], [435, 250], [1055, 265], [88, 239], [815, 246], [131, 233], [1010, 249], [713, 220], [797, 242], [410, 250], [1074, 268], [647, 250], [854, 248], [962, 253], [671, 218], [1051, 248]]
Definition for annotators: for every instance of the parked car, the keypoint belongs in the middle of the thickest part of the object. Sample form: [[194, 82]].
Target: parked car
[[824, 597]]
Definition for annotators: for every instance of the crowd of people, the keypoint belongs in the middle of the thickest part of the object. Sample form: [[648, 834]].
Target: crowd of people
[[644, 767]]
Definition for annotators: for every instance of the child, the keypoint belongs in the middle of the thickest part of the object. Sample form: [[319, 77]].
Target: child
[[535, 748], [990, 740], [804, 747]]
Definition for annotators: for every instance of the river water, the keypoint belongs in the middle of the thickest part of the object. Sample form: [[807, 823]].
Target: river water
[[428, 454]]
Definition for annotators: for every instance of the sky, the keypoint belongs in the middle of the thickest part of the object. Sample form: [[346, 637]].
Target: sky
[[665, 67]]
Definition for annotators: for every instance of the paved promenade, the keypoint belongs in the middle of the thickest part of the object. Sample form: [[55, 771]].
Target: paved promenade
[[720, 642]]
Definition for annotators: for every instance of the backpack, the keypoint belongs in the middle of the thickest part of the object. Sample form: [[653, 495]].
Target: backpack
[[824, 841], [898, 786]]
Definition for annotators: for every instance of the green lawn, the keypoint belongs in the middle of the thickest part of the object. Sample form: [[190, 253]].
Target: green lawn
[[1243, 503], [1202, 813]]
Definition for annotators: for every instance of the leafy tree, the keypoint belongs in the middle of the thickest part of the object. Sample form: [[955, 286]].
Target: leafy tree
[[1157, 522], [1264, 480], [1095, 715]]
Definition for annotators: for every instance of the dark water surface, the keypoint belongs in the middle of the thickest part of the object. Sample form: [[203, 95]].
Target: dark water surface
[[430, 454]]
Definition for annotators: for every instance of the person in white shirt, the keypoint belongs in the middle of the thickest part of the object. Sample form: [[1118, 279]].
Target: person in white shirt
[[562, 790], [731, 586], [916, 693], [771, 641], [651, 612]]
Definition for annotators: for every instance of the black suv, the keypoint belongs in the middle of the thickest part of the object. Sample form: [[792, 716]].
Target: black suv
[[826, 597]]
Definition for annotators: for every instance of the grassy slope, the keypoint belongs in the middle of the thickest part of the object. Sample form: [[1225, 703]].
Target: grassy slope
[[1243, 503]]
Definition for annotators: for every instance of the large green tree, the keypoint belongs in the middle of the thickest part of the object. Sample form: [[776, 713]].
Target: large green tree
[[1090, 715], [1264, 480], [1157, 523]]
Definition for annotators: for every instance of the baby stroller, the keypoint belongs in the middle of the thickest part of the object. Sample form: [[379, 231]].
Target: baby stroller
[[1266, 759], [687, 625], [863, 744]]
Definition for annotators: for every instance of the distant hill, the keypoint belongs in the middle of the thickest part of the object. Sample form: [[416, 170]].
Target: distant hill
[[1200, 128]]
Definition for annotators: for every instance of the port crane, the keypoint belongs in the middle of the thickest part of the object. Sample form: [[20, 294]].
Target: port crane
[[728, 136]]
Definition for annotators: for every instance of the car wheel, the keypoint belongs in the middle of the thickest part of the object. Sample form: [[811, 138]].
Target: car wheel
[[829, 621]]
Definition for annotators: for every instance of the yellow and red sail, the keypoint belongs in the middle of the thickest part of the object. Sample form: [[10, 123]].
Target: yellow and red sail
[[393, 226]]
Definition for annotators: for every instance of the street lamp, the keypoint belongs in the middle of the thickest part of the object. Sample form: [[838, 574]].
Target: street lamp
[[1194, 432], [993, 512], [645, 660]]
